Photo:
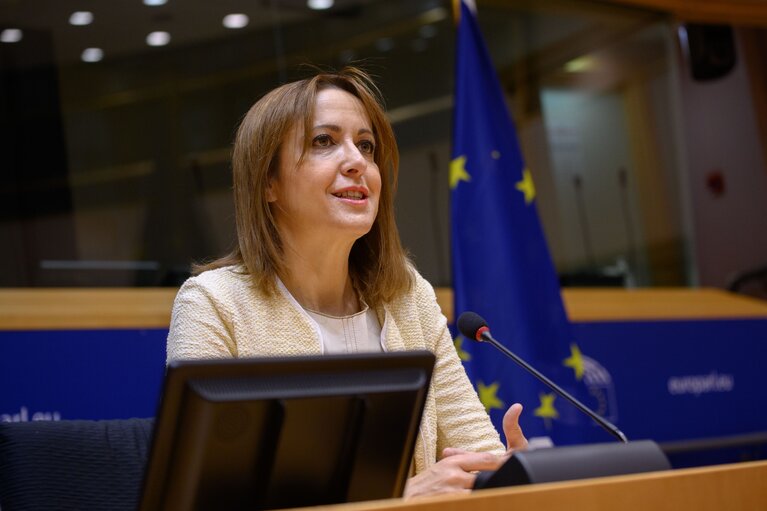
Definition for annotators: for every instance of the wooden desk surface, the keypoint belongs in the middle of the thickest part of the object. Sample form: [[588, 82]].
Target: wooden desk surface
[[734, 487], [86, 308], [617, 304]]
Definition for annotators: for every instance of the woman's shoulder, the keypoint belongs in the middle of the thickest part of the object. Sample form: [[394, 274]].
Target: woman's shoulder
[[420, 286], [421, 291], [219, 282], [231, 273]]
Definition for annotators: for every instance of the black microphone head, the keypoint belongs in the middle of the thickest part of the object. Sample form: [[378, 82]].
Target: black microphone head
[[469, 324]]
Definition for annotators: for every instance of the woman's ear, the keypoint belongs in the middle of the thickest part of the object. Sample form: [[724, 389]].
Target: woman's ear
[[271, 191]]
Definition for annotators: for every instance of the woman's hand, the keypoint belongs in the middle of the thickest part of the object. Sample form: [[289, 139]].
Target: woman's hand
[[456, 471]]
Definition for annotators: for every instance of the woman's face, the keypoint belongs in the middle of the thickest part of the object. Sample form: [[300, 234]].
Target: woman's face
[[334, 192]]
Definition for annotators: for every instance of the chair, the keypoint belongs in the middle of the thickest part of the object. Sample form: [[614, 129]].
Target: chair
[[73, 464], [752, 283]]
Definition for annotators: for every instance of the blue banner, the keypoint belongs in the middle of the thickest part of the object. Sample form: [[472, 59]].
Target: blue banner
[[80, 374], [678, 380], [660, 380]]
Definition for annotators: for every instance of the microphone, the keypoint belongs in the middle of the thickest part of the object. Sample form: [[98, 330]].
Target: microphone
[[473, 326]]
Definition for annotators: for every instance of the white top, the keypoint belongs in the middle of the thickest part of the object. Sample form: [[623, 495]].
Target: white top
[[356, 333]]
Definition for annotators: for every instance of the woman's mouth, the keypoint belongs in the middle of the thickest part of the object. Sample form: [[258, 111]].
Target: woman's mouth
[[350, 194]]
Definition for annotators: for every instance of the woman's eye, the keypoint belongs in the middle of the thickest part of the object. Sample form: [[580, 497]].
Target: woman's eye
[[367, 147], [322, 141]]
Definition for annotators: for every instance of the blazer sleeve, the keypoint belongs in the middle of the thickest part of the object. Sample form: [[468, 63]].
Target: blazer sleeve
[[461, 419], [200, 327]]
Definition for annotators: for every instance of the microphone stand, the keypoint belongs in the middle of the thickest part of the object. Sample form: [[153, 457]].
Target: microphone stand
[[606, 425], [563, 463]]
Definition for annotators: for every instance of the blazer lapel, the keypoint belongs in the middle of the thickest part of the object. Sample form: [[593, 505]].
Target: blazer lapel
[[391, 336]]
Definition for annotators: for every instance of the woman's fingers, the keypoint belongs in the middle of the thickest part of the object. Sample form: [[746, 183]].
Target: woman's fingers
[[454, 473], [476, 461], [515, 438], [452, 451]]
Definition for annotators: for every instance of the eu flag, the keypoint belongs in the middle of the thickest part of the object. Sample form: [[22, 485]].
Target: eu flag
[[501, 265]]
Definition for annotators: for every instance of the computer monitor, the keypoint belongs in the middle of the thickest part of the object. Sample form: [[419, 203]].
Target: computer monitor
[[272, 433]]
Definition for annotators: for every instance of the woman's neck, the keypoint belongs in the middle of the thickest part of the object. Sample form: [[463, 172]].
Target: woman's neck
[[318, 278]]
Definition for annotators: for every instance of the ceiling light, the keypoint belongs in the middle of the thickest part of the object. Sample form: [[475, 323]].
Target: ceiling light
[[11, 35], [155, 2], [236, 20], [158, 39], [81, 18], [319, 5], [92, 55], [581, 64]]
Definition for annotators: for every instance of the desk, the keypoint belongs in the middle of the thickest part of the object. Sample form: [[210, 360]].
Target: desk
[[738, 487], [106, 308], [85, 308], [55, 343], [615, 304]]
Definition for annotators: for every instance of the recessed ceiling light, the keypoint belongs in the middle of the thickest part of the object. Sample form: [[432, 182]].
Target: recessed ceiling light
[[81, 18], [11, 35], [236, 20], [319, 5], [158, 38], [155, 2], [581, 64], [92, 55]]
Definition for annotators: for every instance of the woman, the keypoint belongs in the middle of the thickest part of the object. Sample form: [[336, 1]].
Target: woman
[[315, 165]]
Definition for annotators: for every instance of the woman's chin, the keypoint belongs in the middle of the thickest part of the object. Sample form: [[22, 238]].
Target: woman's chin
[[354, 226]]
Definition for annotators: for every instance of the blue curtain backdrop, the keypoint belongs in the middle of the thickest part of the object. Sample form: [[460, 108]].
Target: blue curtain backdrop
[[501, 265]]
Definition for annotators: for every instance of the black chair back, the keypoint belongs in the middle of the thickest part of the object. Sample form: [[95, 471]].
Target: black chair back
[[77, 464]]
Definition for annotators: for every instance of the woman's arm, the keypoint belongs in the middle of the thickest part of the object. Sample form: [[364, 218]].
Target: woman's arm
[[466, 439], [462, 421]]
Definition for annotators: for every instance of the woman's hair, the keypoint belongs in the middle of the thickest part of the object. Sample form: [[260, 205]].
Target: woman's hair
[[378, 265]]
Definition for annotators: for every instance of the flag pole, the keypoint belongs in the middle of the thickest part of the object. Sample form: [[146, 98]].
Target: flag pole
[[456, 12]]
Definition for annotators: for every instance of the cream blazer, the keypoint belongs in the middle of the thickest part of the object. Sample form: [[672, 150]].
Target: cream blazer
[[219, 314]]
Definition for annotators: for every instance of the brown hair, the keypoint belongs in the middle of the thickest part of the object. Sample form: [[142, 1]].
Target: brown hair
[[378, 264]]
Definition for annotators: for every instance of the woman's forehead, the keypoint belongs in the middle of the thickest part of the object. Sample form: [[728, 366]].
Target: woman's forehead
[[335, 104]]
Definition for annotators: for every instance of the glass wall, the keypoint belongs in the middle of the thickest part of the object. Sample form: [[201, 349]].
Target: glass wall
[[118, 123]]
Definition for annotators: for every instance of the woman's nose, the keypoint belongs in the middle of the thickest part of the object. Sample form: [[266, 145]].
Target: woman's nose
[[354, 161]]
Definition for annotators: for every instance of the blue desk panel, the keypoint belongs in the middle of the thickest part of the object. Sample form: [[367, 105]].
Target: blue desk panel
[[674, 380], [81, 374], [664, 380]]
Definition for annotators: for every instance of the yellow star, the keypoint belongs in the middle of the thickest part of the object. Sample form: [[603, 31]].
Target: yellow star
[[575, 361], [487, 395], [458, 172], [526, 186], [546, 410], [462, 354]]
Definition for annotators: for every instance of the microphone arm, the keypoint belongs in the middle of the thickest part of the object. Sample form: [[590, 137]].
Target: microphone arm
[[606, 425]]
